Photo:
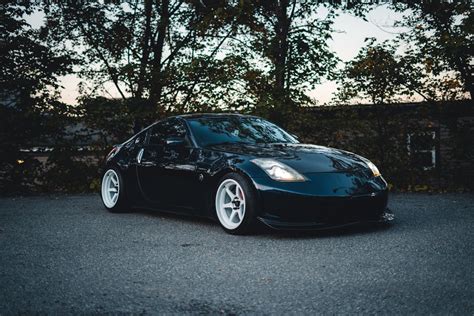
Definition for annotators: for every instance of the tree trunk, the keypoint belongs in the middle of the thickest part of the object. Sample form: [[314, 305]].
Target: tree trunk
[[280, 96], [145, 49], [466, 75], [156, 74], [281, 50]]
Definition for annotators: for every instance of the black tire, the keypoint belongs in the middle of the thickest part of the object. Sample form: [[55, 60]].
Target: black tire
[[249, 222], [122, 205]]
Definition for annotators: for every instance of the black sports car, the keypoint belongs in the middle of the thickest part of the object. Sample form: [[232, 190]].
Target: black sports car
[[242, 170]]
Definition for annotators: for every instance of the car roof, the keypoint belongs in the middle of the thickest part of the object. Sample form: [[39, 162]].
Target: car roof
[[191, 116], [212, 115]]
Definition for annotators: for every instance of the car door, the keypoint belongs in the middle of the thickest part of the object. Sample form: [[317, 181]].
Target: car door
[[167, 167], [147, 166]]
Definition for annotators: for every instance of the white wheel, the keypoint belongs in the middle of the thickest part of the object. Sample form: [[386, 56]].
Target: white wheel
[[110, 188], [230, 204]]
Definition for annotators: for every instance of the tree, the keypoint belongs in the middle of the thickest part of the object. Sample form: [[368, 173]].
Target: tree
[[288, 40], [441, 37], [374, 74], [170, 55], [145, 50], [29, 67], [284, 52], [379, 75], [28, 93]]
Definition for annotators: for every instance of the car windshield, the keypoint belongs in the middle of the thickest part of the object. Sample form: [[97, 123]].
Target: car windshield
[[210, 131]]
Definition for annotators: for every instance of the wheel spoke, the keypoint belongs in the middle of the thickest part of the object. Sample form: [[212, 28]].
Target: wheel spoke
[[238, 193], [114, 198], [229, 193], [112, 189], [232, 215], [114, 181], [240, 213]]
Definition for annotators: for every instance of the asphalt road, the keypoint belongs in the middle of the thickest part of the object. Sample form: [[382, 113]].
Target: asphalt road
[[66, 254]]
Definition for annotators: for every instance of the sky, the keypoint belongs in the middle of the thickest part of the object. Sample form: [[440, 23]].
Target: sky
[[349, 39], [346, 43]]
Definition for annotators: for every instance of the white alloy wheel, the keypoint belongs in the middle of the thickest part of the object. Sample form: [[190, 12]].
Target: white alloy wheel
[[230, 204], [110, 188]]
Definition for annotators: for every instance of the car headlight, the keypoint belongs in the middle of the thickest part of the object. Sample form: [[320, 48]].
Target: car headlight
[[278, 171], [374, 169]]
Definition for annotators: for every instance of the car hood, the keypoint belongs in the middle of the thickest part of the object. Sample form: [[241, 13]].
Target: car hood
[[304, 158]]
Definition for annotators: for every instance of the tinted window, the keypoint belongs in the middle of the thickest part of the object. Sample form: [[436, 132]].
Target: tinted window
[[166, 129], [135, 140], [235, 129]]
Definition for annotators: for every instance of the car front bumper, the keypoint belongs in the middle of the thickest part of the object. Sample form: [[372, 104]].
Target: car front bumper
[[283, 207]]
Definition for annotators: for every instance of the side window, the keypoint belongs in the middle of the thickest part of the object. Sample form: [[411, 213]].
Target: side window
[[156, 134], [140, 138], [136, 140], [166, 129]]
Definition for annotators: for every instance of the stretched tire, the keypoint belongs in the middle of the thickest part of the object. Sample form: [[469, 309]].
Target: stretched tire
[[113, 192], [236, 204]]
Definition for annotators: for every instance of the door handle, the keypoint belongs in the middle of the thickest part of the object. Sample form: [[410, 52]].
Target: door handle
[[140, 155]]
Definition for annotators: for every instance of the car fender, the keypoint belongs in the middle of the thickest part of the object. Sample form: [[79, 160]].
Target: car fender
[[226, 165]]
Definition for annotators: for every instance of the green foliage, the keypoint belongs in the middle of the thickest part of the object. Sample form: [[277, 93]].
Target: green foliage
[[29, 66], [289, 54], [375, 74], [68, 170], [441, 37], [145, 50], [179, 56], [432, 60], [28, 93], [110, 120]]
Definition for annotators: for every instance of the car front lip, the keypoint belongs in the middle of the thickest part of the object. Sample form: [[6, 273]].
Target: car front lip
[[385, 218]]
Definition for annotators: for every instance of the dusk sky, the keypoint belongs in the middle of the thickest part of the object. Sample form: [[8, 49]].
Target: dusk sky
[[346, 42]]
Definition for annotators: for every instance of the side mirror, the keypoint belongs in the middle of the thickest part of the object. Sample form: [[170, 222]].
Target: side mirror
[[175, 141]]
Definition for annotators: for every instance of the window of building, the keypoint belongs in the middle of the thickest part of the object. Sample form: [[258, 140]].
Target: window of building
[[422, 149]]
